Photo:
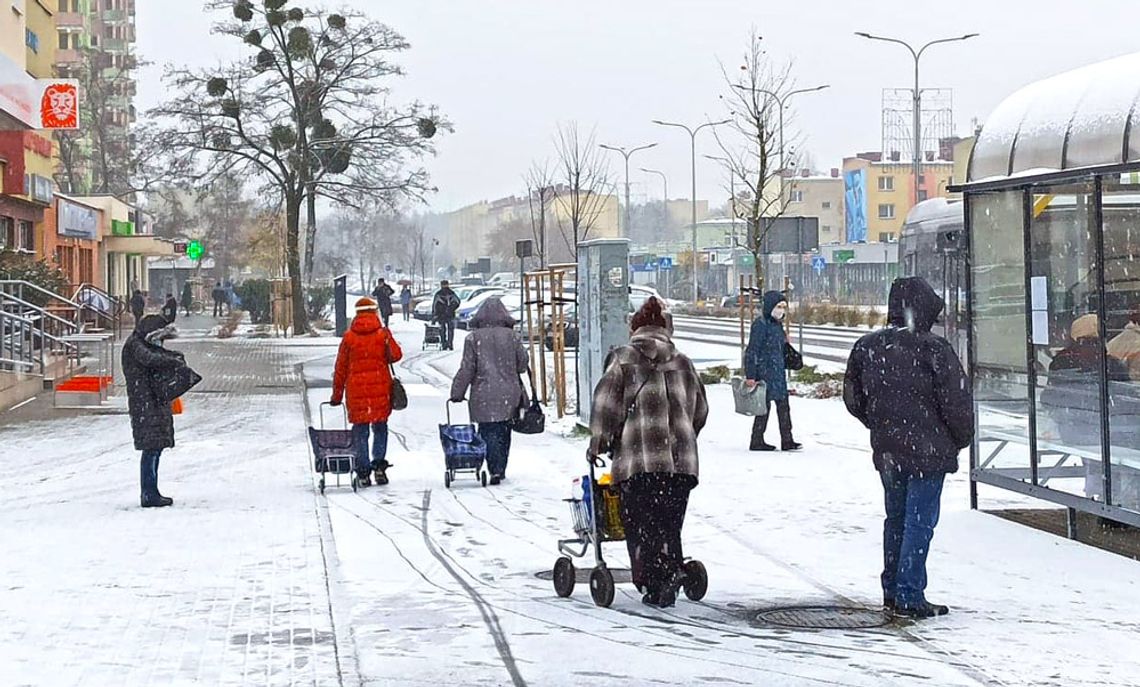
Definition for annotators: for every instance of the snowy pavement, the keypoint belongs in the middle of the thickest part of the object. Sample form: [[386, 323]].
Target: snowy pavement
[[253, 579]]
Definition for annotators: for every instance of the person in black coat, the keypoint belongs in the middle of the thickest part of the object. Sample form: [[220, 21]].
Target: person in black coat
[[138, 305], [908, 387], [382, 294], [170, 309], [155, 376]]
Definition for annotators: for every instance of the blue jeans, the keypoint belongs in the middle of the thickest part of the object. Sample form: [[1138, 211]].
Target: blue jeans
[[379, 431], [912, 505], [497, 436], [148, 473]]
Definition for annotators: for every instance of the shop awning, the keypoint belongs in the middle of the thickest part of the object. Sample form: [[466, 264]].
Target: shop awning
[[138, 245], [1084, 118]]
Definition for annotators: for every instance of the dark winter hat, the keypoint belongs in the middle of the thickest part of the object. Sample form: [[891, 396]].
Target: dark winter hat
[[150, 323], [651, 314]]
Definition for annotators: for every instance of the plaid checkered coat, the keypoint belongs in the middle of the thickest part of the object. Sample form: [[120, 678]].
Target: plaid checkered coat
[[669, 411]]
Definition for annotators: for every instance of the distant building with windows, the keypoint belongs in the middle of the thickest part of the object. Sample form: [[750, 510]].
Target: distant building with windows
[[879, 192]]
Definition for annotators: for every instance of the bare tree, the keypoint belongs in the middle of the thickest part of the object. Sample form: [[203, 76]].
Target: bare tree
[[96, 157], [752, 145], [308, 116], [584, 175], [224, 208], [540, 191]]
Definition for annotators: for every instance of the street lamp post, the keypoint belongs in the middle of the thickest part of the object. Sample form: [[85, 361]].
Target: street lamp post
[[693, 139], [665, 184], [780, 103], [917, 93], [626, 154]]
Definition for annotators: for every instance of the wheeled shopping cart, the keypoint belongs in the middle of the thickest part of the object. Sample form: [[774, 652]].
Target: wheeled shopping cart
[[463, 450], [433, 337], [598, 520], [334, 451]]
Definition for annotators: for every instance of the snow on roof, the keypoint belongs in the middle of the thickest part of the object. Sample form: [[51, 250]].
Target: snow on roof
[[1080, 118]]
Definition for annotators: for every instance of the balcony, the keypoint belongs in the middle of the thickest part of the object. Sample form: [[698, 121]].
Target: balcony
[[65, 20], [116, 16], [115, 45], [68, 57]]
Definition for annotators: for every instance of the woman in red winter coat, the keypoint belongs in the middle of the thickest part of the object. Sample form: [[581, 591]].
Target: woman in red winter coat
[[363, 371]]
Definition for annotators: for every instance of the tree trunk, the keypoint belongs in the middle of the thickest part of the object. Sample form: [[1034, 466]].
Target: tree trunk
[[310, 233], [293, 263]]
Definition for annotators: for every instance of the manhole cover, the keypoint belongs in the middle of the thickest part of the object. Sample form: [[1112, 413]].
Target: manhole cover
[[825, 617], [582, 575]]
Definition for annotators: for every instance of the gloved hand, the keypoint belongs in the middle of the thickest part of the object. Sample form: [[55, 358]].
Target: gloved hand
[[458, 400], [334, 402]]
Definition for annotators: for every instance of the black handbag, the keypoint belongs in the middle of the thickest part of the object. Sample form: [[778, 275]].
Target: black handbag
[[530, 419], [398, 396], [172, 383], [792, 358]]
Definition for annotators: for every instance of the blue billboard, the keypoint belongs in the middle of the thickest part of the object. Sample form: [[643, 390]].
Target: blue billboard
[[855, 202]]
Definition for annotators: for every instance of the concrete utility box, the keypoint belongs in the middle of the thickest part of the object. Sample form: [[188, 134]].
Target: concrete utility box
[[603, 311]]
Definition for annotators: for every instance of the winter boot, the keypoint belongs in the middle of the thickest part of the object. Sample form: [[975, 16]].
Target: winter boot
[[157, 501], [381, 476], [922, 610], [790, 445], [363, 478], [759, 424], [496, 479]]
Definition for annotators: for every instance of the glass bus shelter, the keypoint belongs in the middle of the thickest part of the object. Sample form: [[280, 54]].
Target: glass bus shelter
[[1052, 211]]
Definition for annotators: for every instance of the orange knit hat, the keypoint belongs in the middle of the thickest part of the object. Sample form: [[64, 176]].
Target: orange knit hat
[[365, 304]]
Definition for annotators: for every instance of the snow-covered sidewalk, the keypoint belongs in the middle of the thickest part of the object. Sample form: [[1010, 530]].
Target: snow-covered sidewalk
[[444, 588], [251, 578]]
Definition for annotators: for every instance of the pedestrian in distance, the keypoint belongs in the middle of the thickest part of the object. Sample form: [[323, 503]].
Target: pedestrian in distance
[[155, 376], [648, 410], [764, 361], [406, 301], [138, 305], [187, 298], [493, 360], [219, 296], [382, 294], [363, 376], [443, 308], [170, 309], [906, 385]]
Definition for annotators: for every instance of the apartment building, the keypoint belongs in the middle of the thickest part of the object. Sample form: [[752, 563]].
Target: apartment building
[[879, 193], [818, 195]]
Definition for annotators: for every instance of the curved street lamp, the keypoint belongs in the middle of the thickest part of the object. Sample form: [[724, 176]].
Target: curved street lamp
[[626, 154]]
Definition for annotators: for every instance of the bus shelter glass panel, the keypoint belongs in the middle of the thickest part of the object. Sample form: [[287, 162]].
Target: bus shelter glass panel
[[1121, 221], [1001, 391], [1068, 351]]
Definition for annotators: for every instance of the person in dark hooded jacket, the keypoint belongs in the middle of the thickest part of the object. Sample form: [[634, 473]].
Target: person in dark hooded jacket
[[155, 376], [764, 361], [907, 386], [138, 305], [493, 360], [648, 409]]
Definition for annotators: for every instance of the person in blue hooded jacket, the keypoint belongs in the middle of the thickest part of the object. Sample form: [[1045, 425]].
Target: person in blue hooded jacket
[[764, 361]]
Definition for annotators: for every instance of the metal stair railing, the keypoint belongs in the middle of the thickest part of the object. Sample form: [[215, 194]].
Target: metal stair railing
[[47, 330], [16, 350], [107, 309]]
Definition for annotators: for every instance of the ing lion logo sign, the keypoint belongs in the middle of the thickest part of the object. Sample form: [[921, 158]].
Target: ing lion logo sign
[[59, 108]]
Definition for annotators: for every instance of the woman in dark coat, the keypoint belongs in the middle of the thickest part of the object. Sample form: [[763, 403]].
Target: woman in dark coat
[[155, 377], [187, 298], [648, 409], [764, 361], [138, 305], [493, 361]]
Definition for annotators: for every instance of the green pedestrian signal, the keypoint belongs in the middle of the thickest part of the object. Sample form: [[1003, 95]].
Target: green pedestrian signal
[[195, 250]]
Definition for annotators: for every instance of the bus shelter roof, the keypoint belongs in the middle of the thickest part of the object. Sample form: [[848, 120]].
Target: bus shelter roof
[[1083, 119]]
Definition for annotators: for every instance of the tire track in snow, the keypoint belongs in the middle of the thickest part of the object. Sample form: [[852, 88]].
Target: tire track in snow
[[490, 618]]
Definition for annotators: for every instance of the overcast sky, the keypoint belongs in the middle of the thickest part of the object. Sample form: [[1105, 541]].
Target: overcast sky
[[506, 72]]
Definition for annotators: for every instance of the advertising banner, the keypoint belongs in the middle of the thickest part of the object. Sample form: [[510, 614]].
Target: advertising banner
[[855, 191], [77, 221]]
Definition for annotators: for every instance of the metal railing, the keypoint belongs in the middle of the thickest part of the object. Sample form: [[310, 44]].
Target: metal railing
[[31, 333], [107, 309], [16, 350]]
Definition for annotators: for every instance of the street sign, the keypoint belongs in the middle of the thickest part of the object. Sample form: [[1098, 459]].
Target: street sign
[[843, 256], [665, 263], [388, 268], [818, 263]]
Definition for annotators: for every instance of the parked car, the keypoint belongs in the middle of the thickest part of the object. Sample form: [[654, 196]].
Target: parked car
[[570, 331], [468, 308], [638, 294]]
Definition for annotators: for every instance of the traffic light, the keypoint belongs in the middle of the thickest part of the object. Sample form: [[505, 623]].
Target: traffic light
[[195, 250]]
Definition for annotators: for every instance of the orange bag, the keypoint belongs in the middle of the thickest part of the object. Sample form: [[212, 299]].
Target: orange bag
[[176, 406]]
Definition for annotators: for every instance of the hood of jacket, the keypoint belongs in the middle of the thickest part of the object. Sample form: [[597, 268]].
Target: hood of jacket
[[367, 322], [492, 313], [771, 300], [150, 324], [913, 304], [653, 343]]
